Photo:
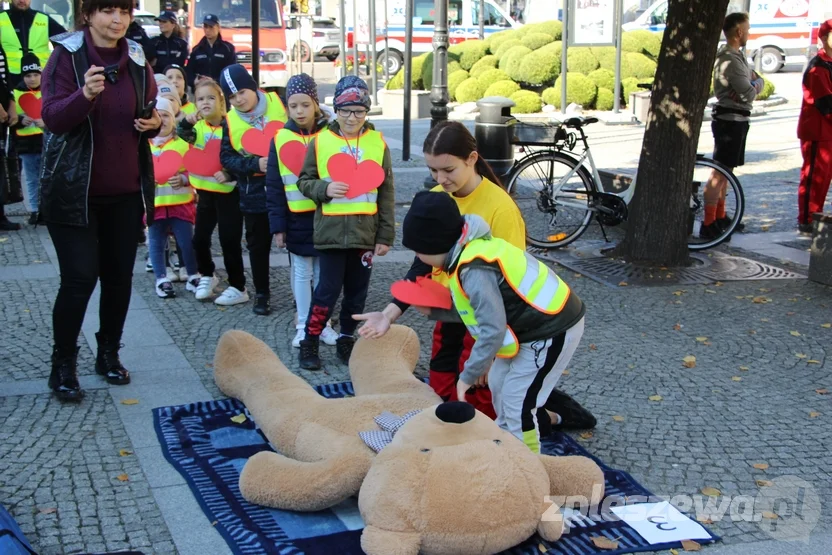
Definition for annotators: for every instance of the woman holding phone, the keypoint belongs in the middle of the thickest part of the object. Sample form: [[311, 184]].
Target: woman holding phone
[[97, 180]]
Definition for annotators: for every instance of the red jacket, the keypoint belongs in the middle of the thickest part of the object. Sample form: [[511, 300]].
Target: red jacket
[[815, 123]]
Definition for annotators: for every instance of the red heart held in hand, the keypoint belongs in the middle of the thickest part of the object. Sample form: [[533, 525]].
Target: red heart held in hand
[[292, 154], [31, 105], [434, 295], [166, 165], [204, 161], [257, 142], [362, 178]]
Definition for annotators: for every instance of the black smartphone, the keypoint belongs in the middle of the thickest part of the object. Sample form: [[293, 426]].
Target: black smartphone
[[147, 111]]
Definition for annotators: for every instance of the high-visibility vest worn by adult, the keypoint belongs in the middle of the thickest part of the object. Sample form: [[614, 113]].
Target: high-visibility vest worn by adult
[[237, 126], [165, 194], [294, 198], [369, 145], [38, 41], [533, 281], [204, 133], [30, 129]]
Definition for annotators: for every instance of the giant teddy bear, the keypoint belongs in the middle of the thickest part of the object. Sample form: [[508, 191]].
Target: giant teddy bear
[[450, 481]]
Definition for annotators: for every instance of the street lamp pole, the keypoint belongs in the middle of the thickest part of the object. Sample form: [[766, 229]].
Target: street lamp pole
[[439, 97]]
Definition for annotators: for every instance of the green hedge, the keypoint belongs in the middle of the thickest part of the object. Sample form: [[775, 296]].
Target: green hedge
[[526, 102], [637, 65], [538, 68], [395, 82], [427, 69], [488, 78], [579, 89], [536, 40], [768, 90], [605, 56], [603, 78], [493, 42], [551, 28], [642, 41], [505, 46], [504, 88], [580, 60], [469, 90], [454, 79], [454, 66], [510, 62], [487, 62], [469, 52], [604, 100]]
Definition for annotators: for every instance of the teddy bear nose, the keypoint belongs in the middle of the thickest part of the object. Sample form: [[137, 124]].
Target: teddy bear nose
[[455, 412]]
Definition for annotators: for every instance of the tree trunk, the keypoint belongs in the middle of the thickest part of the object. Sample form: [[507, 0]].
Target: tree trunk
[[657, 230]]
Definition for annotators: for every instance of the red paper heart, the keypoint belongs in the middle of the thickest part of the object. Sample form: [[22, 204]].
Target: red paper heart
[[292, 154], [434, 295], [257, 142], [166, 165], [204, 161], [362, 178], [31, 105]]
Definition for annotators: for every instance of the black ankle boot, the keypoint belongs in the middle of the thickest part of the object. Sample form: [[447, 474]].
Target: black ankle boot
[[262, 307], [107, 363], [63, 381], [309, 359]]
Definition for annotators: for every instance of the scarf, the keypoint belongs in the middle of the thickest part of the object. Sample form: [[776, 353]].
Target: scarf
[[255, 117]]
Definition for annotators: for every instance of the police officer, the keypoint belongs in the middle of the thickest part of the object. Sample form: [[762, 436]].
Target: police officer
[[136, 32], [169, 48], [212, 54], [24, 30]]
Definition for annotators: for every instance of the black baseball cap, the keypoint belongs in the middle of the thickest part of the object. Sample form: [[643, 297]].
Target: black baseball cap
[[167, 16], [211, 19]]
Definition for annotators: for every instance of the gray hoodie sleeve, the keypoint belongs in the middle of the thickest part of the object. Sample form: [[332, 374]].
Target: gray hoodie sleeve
[[482, 284]]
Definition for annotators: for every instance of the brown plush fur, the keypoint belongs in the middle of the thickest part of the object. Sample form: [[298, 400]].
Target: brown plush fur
[[437, 488]]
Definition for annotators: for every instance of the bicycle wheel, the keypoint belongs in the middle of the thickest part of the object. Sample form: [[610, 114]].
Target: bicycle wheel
[[552, 198], [706, 172]]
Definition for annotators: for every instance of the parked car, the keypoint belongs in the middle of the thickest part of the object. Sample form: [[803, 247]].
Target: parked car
[[326, 37], [148, 22]]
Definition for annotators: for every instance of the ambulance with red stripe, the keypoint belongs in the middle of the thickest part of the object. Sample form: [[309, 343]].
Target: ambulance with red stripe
[[463, 16], [781, 31]]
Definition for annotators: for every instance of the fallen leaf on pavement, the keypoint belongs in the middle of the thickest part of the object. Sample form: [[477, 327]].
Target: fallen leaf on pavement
[[765, 227], [215, 523], [124, 453], [744, 368], [130, 402], [655, 397], [826, 326], [800, 355], [812, 361], [764, 290], [814, 414], [790, 314], [623, 284], [764, 483], [618, 418], [593, 347], [701, 339], [47, 510], [122, 477], [677, 327], [586, 435], [689, 361], [679, 293], [740, 297], [736, 379], [690, 545], [604, 543], [718, 284], [3, 239], [822, 391], [709, 291], [674, 552], [795, 333], [542, 548], [760, 300], [710, 492], [769, 515], [239, 419], [761, 466], [763, 319], [702, 519], [565, 373]]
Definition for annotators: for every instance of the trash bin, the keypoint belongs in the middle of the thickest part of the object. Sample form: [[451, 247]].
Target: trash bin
[[820, 259], [493, 131], [640, 104]]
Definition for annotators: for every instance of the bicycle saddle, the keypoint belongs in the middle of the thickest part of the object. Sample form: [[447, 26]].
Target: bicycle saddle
[[579, 121]]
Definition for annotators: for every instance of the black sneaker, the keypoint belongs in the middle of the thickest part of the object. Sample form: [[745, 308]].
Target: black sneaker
[[261, 305], [572, 415], [806, 229], [33, 219], [343, 346], [63, 381], [8, 225], [726, 221], [309, 359], [710, 232]]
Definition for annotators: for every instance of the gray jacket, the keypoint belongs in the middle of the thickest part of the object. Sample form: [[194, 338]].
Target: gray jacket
[[733, 85]]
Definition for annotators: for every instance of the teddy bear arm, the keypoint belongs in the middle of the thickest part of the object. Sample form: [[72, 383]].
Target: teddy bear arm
[[375, 541], [575, 476]]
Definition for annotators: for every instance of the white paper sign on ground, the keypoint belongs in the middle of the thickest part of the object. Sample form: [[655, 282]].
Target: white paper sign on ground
[[660, 522]]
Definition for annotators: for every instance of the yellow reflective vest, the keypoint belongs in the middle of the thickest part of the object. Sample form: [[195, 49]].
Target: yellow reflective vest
[[188, 108], [206, 132], [165, 194], [534, 282], [294, 198], [237, 126], [369, 145], [31, 129], [38, 41]]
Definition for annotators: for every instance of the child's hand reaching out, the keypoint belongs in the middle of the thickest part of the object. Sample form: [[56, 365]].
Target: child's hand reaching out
[[337, 189]]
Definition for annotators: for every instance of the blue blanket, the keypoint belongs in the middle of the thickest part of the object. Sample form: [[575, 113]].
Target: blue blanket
[[209, 450]]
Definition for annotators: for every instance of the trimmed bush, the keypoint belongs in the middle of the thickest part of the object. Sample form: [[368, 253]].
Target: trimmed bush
[[605, 99], [637, 65], [469, 52], [536, 40], [629, 85], [486, 62], [488, 78], [538, 68], [526, 102], [395, 82], [642, 41], [505, 47], [606, 56], [768, 90], [552, 48], [501, 88], [427, 69], [493, 41], [454, 80], [416, 71], [454, 66], [469, 90], [603, 78], [549, 95], [579, 89], [552, 28], [581, 60], [510, 63]]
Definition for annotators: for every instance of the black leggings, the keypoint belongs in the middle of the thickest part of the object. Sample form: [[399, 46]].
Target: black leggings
[[220, 210], [105, 250], [259, 243]]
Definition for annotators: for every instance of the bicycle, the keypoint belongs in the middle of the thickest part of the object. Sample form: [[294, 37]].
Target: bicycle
[[568, 200]]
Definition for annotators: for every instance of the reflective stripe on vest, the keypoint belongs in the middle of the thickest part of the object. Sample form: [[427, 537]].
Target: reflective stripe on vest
[[236, 126], [370, 146], [38, 41], [165, 194], [294, 198], [32, 129], [205, 133], [533, 281]]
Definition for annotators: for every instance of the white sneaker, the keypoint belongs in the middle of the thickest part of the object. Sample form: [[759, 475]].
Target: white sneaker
[[299, 336], [148, 267], [329, 335], [192, 283], [171, 275], [164, 288], [183, 275], [206, 287], [232, 296]]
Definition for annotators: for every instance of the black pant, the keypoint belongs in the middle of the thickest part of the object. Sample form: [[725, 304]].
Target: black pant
[[259, 243], [105, 250], [220, 210], [347, 268]]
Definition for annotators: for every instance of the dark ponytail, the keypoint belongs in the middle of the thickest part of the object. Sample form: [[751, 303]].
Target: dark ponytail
[[452, 137]]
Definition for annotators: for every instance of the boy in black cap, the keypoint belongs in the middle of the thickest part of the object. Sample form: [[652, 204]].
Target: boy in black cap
[[517, 309], [29, 131], [211, 54]]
